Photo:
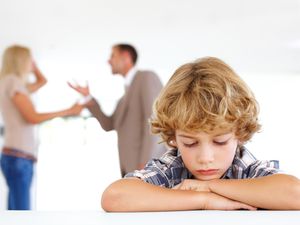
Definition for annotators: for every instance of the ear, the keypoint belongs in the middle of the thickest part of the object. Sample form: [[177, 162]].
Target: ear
[[173, 143], [126, 57]]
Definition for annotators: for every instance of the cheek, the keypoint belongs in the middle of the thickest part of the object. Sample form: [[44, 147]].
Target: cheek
[[225, 156], [187, 156]]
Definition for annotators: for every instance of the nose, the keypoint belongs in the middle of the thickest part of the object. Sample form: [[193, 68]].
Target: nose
[[205, 154]]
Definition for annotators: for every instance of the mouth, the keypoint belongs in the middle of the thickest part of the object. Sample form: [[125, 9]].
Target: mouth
[[208, 172]]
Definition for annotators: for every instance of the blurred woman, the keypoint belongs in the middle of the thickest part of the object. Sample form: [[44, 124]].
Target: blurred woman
[[20, 118]]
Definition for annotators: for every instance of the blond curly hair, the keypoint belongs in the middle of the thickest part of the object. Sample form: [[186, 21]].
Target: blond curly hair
[[208, 96]]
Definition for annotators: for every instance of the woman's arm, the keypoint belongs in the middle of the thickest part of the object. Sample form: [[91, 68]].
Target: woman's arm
[[27, 110], [135, 195], [40, 79], [278, 191]]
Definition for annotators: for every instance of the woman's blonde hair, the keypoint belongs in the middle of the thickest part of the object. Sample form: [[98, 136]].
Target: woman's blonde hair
[[15, 61], [208, 96]]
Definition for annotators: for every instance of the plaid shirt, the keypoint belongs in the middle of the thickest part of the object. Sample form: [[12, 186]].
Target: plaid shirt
[[170, 170]]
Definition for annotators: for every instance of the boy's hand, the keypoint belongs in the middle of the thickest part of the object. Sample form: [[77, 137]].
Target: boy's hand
[[218, 202], [212, 201], [193, 185]]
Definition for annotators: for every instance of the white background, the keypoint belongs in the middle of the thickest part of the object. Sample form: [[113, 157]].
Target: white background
[[71, 39], [212, 217]]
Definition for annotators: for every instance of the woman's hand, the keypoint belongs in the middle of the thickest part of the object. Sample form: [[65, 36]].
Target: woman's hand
[[34, 67], [40, 79], [75, 110]]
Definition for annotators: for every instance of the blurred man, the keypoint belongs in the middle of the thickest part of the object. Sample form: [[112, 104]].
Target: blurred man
[[130, 118]]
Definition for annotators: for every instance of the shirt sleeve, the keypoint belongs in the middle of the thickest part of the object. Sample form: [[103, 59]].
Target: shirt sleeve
[[261, 168], [16, 86], [153, 173], [167, 171]]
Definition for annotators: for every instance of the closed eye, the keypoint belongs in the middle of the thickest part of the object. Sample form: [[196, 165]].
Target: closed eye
[[190, 145], [220, 142]]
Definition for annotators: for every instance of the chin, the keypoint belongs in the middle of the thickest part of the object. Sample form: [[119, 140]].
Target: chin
[[207, 178]]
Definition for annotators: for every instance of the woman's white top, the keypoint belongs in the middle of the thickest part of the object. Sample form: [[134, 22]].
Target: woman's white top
[[18, 134]]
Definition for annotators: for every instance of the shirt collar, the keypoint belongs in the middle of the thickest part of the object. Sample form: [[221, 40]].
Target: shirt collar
[[129, 76]]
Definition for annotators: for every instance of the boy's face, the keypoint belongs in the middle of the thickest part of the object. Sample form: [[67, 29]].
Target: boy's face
[[206, 156]]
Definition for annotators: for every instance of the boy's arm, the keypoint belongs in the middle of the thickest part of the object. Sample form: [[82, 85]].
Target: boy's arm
[[132, 195], [278, 191]]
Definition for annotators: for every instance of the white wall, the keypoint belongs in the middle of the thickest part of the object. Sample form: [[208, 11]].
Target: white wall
[[72, 39]]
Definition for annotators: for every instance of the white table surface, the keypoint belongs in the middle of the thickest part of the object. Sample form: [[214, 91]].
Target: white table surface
[[168, 218]]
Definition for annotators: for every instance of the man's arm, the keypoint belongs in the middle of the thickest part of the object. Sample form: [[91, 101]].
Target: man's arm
[[135, 195], [105, 121], [278, 191]]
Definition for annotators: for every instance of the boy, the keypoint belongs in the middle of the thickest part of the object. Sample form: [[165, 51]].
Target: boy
[[206, 113]]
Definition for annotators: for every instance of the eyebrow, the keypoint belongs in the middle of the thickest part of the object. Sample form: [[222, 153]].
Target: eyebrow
[[193, 137], [226, 134], [187, 136]]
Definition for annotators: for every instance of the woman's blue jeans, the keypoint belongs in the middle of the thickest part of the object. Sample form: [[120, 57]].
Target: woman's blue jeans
[[18, 174]]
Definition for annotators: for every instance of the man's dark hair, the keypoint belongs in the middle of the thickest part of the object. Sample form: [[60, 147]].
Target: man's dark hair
[[130, 49]]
